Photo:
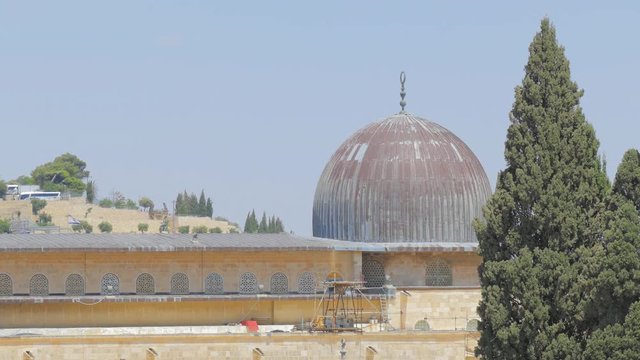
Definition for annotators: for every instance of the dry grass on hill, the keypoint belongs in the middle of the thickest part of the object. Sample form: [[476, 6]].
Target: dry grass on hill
[[123, 221]]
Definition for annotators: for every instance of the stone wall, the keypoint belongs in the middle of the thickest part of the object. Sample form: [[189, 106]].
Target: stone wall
[[400, 345]]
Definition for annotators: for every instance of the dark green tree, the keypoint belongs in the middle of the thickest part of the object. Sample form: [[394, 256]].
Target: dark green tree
[[543, 209], [91, 191], [618, 341], [202, 205], [3, 189], [627, 180], [209, 208], [263, 227], [251, 223]]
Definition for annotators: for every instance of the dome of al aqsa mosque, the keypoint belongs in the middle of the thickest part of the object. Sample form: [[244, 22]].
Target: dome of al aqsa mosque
[[402, 179]]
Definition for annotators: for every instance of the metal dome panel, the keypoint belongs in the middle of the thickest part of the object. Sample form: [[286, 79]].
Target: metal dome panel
[[403, 179]]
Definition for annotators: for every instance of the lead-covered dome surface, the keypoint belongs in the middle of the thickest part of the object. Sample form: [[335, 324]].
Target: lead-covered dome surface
[[403, 179]]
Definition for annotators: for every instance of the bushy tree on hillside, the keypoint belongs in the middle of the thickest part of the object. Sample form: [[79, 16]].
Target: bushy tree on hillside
[[146, 203], [65, 172], [543, 208]]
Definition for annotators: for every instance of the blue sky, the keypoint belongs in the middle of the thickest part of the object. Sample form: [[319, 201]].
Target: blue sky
[[248, 100]]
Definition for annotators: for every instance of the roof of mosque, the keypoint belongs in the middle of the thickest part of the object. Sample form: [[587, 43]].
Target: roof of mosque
[[205, 242]]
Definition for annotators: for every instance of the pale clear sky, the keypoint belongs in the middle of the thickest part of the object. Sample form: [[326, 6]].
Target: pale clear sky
[[248, 100]]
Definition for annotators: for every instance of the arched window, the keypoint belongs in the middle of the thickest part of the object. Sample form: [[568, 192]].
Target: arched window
[[279, 283], [145, 285], [373, 273], [74, 285], [214, 284], [422, 325], [110, 284], [472, 325], [39, 285], [6, 285], [334, 276], [248, 283], [438, 273], [307, 283], [180, 284]]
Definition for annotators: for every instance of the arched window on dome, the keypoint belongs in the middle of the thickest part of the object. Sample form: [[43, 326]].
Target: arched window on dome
[[180, 284], [373, 273], [6, 285], [307, 283], [110, 284], [74, 285], [438, 273], [279, 283], [248, 283], [145, 284], [214, 284], [39, 285]]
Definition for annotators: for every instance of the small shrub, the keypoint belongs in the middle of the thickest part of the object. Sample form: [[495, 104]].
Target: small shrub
[[84, 226], [105, 227], [143, 227], [215, 230], [44, 219], [183, 229], [37, 205], [106, 203], [233, 230], [200, 229], [5, 226]]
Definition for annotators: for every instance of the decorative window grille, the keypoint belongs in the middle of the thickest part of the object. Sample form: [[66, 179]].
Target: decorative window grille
[[422, 325], [74, 285], [472, 325], [145, 285], [279, 283], [307, 283], [180, 284], [248, 283], [110, 284], [6, 285], [39, 285], [373, 273], [438, 273], [214, 284]]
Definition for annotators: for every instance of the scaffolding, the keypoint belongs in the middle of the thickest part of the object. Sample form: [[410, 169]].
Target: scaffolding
[[340, 306]]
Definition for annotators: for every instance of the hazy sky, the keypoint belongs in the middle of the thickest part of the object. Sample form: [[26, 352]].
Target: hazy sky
[[248, 100]]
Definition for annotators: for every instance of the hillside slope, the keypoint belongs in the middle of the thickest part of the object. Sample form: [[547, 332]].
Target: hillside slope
[[123, 221]]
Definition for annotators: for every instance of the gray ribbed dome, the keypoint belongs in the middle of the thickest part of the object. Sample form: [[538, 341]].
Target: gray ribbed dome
[[403, 179]]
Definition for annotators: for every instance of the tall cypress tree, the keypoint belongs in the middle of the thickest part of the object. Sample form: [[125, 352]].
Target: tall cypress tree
[[542, 210], [202, 205], [263, 228]]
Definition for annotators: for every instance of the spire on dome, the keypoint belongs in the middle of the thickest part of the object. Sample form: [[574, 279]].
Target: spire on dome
[[403, 103]]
